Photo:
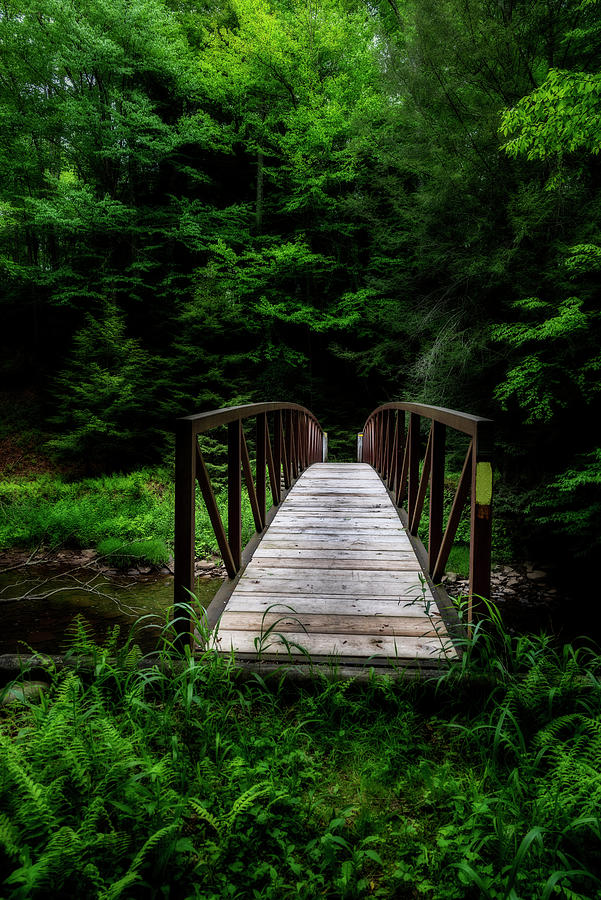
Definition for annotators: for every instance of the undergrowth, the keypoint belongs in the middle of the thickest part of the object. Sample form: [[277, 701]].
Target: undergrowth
[[123, 511], [134, 781]]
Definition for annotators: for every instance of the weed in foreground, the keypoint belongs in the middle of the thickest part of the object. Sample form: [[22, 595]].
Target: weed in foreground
[[137, 777]]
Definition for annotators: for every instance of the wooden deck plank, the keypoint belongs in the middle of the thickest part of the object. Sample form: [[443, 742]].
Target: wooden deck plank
[[401, 626], [343, 542], [333, 587], [322, 578], [299, 553], [335, 574], [339, 606], [331, 562], [361, 645]]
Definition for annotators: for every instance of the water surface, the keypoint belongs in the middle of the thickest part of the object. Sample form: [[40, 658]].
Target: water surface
[[45, 618]]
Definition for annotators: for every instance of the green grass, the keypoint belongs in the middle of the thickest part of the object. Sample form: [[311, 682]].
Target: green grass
[[136, 783], [459, 559], [134, 513], [121, 555]]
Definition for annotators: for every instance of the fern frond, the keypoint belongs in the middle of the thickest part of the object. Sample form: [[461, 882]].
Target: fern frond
[[132, 875], [203, 813], [10, 839], [243, 803]]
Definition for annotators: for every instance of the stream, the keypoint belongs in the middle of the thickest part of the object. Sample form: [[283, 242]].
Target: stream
[[44, 620]]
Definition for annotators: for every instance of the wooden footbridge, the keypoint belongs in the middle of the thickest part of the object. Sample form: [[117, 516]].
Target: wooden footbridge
[[336, 573]]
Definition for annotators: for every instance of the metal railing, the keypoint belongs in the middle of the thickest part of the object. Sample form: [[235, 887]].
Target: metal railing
[[394, 450], [284, 447]]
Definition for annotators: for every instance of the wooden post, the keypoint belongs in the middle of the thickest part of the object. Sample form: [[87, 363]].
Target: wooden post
[[277, 448], [454, 516], [185, 531], [234, 491], [288, 449], [250, 485], [261, 462], [392, 453], [299, 449], [413, 460], [385, 445], [399, 453], [480, 519], [437, 450]]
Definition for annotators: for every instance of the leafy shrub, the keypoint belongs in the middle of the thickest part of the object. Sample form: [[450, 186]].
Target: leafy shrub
[[134, 782], [130, 508]]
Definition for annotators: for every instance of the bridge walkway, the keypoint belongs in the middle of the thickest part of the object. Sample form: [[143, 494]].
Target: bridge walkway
[[335, 579]]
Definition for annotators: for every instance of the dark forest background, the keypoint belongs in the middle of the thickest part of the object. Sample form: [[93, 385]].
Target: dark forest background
[[335, 202]]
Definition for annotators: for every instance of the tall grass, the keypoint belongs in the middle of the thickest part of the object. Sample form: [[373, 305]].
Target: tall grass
[[110, 512], [191, 781]]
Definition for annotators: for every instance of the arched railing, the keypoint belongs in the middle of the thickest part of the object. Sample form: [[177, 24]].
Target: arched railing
[[288, 438], [393, 447]]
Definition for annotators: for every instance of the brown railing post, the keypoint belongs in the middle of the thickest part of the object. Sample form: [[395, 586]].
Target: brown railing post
[[250, 485], [413, 476], [261, 463], [437, 449], [185, 531], [480, 519], [385, 444], [234, 491], [297, 435], [288, 449], [277, 449]]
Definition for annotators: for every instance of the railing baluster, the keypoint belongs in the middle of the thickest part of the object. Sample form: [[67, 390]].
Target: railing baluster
[[413, 460], [250, 486], [296, 433], [392, 435], [459, 499], [260, 469], [285, 459], [277, 447], [234, 491], [437, 451], [423, 487], [208, 496], [403, 480], [305, 442], [287, 446], [386, 447], [273, 481], [400, 447]]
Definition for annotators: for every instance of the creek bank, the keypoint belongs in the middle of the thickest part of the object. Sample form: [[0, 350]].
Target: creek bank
[[67, 561], [524, 594], [42, 594]]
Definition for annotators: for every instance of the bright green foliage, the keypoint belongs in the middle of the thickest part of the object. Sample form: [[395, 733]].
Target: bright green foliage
[[125, 781], [124, 516], [541, 380], [331, 203], [561, 116], [115, 552]]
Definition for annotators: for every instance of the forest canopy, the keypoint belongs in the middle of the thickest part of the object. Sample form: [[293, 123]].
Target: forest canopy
[[334, 202]]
